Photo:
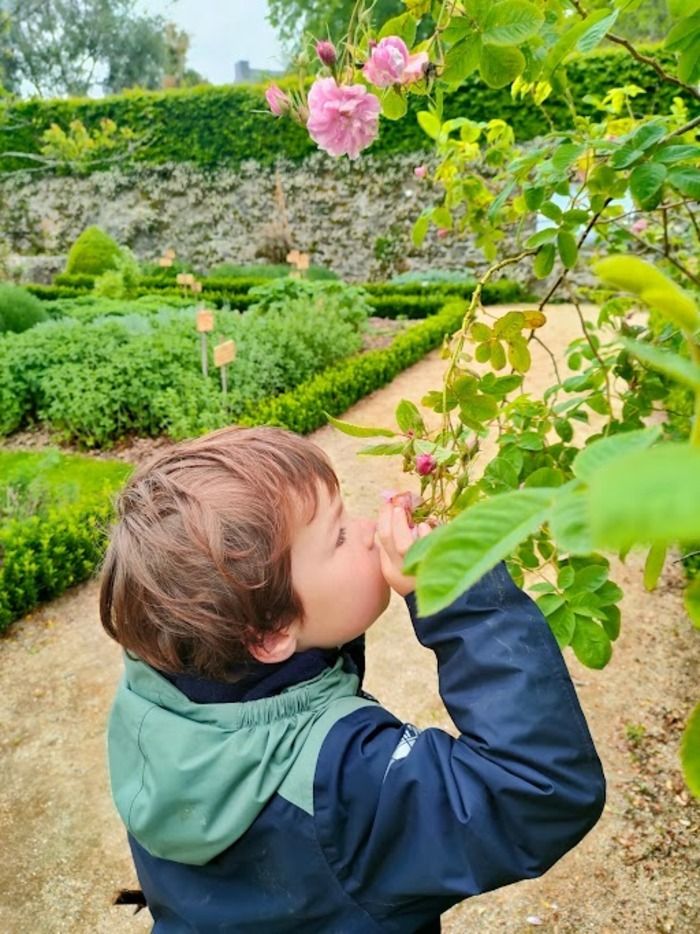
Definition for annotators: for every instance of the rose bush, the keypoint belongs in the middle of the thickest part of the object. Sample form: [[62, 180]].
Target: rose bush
[[552, 499]]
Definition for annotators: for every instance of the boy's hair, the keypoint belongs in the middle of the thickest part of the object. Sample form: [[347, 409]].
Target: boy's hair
[[199, 562]]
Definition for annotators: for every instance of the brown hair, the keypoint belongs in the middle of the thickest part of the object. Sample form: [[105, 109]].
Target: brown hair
[[199, 562]]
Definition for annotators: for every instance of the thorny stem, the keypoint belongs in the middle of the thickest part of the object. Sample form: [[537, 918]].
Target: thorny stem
[[656, 249], [594, 350]]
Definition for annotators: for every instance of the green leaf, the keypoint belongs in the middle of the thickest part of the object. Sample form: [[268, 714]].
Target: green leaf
[[654, 565], [512, 22], [562, 622], [408, 418], [500, 65], [664, 361], [569, 524], [596, 455], [589, 579], [683, 35], [544, 261], [403, 26], [429, 123], [565, 577], [545, 476], [646, 184], [595, 32], [420, 229], [691, 601], [679, 8], [384, 449], [636, 144], [565, 155], [518, 356], [647, 496], [568, 249], [475, 542], [550, 602], [533, 197], [480, 331], [547, 235], [359, 431], [591, 644], [672, 153], [582, 34], [690, 752], [687, 181], [461, 60], [611, 619], [394, 105]]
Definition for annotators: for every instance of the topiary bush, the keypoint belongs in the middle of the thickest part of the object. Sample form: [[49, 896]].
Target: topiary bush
[[19, 309], [93, 253]]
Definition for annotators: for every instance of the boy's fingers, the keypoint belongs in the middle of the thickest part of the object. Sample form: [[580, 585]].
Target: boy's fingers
[[403, 537]]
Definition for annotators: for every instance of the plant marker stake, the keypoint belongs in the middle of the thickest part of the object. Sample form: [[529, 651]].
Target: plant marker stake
[[205, 323], [223, 355]]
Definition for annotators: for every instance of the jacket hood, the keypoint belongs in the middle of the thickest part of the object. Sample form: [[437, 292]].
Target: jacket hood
[[189, 779]]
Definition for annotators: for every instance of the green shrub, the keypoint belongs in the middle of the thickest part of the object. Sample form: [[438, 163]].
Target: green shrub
[[19, 309], [223, 125], [265, 271], [95, 381], [63, 542], [121, 282], [93, 253]]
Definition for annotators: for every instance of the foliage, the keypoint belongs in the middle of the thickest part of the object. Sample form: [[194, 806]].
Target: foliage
[[265, 271], [576, 469], [93, 253], [19, 309], [223, 126], [322, 18], [98, 379], [54, 514], [123, 281], [61, 47]]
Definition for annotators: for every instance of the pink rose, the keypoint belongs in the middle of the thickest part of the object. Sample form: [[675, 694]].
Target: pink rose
[[326, 52], [425, 464], [343, 119], [640, 225], [390, 63], [420, 171], [278, 102], [442, 232]]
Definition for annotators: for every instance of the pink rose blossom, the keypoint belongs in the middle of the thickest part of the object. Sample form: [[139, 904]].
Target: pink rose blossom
[[425, 464], [343, 119], [278, 102], [442, 232], [640, 225], [326, 52], [420, 171], [390, 63]]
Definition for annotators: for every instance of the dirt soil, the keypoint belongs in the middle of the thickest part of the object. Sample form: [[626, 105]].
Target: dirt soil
[[637, 872]]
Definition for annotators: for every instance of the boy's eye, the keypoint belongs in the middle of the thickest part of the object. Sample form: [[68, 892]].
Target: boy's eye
[[341, 538]]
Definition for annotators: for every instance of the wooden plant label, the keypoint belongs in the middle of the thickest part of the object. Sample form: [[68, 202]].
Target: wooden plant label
[[196, 287], [165, 261], [181, 278], [205, 320], [224, 353], [303, 261]]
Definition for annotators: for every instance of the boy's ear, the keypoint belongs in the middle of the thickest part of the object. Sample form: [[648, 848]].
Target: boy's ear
[[277, 646]]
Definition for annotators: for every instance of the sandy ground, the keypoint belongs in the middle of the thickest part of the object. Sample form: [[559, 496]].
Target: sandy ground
[[637, 872]]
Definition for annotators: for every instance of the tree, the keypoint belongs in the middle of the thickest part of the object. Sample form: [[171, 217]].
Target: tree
[[67, 47], [322, 18]]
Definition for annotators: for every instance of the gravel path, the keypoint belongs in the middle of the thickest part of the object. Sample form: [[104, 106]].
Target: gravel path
[[637, 872]]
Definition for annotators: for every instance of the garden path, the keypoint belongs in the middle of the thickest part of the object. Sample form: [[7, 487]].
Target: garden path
[[65, 850]]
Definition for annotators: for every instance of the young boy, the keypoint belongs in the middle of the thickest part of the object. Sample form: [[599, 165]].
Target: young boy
[[261, 788]]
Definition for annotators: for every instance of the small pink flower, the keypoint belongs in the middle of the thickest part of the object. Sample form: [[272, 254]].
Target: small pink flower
[[343, 119], [278, 102], [390, 63], [387, 62], [326, 52], [425, 464], [640, 225], [420, 171], [442, 232]]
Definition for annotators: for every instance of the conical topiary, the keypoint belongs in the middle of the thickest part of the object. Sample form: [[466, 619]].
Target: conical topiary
[[93, 253]]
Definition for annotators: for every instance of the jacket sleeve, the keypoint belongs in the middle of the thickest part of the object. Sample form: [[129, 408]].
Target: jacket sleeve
[[413, 821]]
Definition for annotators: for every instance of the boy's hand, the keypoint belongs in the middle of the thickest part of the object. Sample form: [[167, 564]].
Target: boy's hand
[[394, 538]]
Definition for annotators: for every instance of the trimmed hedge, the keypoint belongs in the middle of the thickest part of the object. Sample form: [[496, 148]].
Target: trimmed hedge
[[227, 125], [43, 555], [337, 388]]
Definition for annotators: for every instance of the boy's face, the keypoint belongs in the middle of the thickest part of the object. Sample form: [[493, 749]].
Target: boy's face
[[337, 573]]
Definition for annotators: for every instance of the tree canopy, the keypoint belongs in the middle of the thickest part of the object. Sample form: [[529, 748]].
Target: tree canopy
[[321, 18]]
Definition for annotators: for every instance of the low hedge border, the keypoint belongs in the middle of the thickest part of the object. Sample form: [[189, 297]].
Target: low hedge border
[[303, 409], [42, 556], [414, 302]]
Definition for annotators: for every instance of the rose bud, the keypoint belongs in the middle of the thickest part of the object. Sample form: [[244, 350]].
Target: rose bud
[[278, 102], [425, 464], [326, 52], [420, 171]]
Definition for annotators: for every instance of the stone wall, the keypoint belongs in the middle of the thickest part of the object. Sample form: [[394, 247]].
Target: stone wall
[[338, 211]]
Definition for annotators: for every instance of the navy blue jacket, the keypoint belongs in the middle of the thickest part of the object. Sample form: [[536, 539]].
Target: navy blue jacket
[[371, 825]]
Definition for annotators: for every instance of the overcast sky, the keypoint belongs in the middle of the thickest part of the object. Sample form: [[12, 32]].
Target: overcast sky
[[223, 32]]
